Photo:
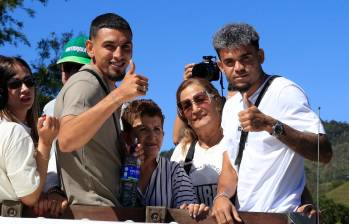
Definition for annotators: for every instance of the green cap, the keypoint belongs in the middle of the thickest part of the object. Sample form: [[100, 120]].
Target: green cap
[[75, 51]]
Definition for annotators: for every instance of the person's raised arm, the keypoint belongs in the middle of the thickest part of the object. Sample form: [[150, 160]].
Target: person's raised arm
[[48, 129], [304, 143], [76, 131], [178, 126], [223, 209], [178, 130]]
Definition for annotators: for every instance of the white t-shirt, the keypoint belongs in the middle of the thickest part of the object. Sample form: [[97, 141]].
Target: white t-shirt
[[18, 173], [205, 169], [49, 108], [52, 177], [271, 175]]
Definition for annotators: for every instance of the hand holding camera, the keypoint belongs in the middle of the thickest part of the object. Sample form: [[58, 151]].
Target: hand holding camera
[[188, 71], [207, 69]]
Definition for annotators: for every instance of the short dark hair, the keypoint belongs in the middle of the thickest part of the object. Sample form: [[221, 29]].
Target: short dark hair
[[70, 67], [138, 109], [111, 21], [235, 35]]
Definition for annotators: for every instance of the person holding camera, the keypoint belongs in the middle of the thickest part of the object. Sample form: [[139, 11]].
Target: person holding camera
[[89, 104], [207, 69], [276, 136]]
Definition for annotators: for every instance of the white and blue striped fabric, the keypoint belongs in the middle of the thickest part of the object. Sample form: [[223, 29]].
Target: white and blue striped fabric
[[169, 186]]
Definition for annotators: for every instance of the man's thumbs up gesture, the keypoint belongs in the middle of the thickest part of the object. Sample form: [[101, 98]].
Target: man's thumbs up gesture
[[133, 85], [252, 119]]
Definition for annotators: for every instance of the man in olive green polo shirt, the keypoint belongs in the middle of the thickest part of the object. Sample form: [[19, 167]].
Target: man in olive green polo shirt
[[88, 141]]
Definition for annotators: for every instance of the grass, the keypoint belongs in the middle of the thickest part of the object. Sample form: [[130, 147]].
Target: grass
[[340, 194]]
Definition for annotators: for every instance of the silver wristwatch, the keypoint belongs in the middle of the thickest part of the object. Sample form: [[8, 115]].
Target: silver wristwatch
[[278, 129]]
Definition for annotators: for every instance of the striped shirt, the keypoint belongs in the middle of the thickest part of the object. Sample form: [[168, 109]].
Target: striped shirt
[[169, 186]]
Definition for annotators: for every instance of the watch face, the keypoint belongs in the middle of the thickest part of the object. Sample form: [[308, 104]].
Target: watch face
[[278, 129]]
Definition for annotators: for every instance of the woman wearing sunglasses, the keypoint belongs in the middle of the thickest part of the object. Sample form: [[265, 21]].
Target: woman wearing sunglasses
[[25, 140], [199, 106]]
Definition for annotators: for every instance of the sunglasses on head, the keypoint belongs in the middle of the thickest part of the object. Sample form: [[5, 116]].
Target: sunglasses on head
[[198, 99], [15, 83]]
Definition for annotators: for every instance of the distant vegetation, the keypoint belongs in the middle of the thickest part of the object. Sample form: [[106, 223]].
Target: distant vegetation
[[336, 172], [334, 177], [340, 194]]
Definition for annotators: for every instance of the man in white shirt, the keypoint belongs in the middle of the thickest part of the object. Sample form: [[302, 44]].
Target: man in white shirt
[[282, 130]]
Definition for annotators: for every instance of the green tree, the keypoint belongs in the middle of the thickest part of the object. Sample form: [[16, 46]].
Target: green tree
[[332, 212], [10, 27]]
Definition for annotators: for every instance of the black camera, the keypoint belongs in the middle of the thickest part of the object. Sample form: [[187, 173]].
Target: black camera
[[207, 69]]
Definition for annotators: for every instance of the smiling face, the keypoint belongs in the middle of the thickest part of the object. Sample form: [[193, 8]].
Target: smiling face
[[242, 67], [20, 99], [203, 113], [111, 51], [149, 132]]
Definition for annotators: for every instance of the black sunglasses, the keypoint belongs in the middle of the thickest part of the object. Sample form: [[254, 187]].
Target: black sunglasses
[[15, 83]]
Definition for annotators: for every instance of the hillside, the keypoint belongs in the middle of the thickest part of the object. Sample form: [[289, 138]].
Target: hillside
[[340, 194], [336, 172]]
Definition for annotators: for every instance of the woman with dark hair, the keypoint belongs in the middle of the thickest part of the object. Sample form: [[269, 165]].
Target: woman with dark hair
[[25, 140], [162, 182], [199, 106]]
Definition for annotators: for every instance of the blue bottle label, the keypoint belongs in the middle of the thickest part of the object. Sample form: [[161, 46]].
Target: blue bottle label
[[131, 173]]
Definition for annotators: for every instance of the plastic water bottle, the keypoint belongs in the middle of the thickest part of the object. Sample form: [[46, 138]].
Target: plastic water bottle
[[129, 179]]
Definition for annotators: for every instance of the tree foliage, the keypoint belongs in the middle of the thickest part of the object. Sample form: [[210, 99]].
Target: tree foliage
[[332, 212], [10, 27], [337, 171], [45, 70]]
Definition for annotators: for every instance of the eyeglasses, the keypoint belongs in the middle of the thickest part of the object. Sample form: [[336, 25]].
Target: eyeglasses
[[198, 99], [15, 83]]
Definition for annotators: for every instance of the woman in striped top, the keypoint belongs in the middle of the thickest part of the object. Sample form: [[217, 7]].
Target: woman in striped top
[[162, 182]]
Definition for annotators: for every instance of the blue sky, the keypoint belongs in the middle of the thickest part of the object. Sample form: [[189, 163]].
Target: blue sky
[[305, 41]]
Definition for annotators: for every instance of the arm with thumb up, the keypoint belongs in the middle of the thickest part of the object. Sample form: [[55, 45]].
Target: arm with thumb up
[[133, 85], [252, 119]]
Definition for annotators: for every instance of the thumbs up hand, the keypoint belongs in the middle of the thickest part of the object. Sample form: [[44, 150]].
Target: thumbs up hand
[[251, 118], [246, 101], [133, 85]]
